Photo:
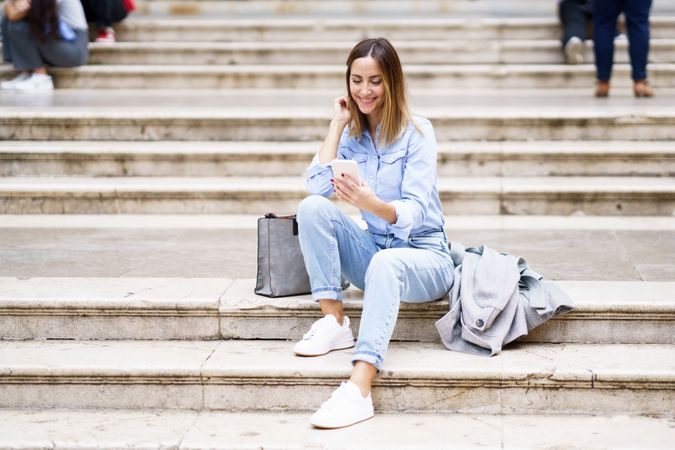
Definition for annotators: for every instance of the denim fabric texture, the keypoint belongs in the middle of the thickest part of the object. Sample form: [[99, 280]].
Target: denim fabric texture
[[605, 15], [407, 261], [402, 173], [388, 269], [26, 52]]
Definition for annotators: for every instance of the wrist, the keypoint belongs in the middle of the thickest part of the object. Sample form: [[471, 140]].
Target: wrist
[[338, 124]]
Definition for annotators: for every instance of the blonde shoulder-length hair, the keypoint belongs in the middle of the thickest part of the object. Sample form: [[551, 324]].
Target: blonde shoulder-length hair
[[395, 112]]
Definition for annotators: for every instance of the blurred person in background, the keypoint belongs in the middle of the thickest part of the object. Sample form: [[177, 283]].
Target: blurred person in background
[[605, 15], [103, 13], [41, 33], [575, 17]]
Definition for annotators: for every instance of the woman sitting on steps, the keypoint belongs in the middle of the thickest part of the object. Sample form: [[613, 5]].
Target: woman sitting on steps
[[402, 256]]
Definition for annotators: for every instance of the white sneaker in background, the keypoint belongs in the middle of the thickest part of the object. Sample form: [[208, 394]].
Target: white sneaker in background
[[36, 82], [345, 407], [574, 51], [324, 336], [9, 84]]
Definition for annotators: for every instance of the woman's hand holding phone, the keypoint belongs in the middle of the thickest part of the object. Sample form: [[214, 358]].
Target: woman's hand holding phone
[[348, 185]]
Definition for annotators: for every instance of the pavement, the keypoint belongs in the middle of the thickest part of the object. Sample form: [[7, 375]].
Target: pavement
[[580, 249]]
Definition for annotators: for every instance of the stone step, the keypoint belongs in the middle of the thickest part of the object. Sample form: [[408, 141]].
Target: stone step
[[539, 76], [241, 375], [606, 312], [249, 195], [329, 53], [636, 121], [469, 158], [359, 8], [108, 429], [203, 29], [633, 248]]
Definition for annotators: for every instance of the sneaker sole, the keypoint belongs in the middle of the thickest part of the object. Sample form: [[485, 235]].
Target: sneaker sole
[[335, 427], [339, 347], [574, 52]]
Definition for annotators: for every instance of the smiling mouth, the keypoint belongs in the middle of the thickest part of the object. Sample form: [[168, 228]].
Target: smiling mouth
[[367, 101]]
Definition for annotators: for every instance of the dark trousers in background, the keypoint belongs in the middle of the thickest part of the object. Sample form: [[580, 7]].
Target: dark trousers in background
[[575, 16], [605, 15], [103, 13], [26, 52]]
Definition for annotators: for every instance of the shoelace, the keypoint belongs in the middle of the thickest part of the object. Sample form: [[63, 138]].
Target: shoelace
[[316, 326], [336, 397]]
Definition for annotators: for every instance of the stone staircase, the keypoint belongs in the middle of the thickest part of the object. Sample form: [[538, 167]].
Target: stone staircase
[[130, 196]]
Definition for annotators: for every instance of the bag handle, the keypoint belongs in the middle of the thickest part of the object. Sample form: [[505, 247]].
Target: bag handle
[[271, 215]]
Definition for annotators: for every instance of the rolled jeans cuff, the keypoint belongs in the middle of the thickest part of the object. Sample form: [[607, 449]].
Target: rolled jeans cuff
[[327, 293], [369, 357]]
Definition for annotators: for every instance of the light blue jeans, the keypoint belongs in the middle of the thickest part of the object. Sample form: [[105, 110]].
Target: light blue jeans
[[388, 270]]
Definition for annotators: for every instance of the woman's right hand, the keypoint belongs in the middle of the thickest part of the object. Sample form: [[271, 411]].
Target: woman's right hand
[[341, 111]]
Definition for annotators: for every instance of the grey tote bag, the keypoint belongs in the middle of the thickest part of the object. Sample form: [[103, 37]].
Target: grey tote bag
[[281, 268]]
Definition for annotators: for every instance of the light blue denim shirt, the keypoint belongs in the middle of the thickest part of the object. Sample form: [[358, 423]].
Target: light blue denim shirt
[[402, 174]]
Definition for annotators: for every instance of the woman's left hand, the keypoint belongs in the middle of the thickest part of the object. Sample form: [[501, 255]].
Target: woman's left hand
[[354, 192]]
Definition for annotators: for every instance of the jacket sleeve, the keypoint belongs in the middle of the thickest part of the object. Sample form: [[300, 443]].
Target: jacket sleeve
[[419, 179], [319, 175]]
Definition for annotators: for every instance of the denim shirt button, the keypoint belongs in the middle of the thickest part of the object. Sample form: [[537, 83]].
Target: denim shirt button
[[479, 323]]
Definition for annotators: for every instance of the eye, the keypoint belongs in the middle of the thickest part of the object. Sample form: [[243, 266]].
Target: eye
[[377, 82], [356, 80]]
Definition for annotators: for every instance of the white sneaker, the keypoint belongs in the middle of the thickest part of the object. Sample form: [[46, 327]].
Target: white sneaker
[[345, 407], [36, 82], [324, 336], [9, 84], [574, 51]]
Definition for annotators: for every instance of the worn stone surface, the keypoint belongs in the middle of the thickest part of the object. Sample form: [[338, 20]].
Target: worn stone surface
[[197, 430], [231, 253], [257, 375]]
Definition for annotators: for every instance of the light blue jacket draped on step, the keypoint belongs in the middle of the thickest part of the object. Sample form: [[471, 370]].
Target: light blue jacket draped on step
[[495, 299]]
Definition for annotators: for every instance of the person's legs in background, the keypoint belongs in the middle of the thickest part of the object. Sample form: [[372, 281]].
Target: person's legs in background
[[636, 13], [574, 17], [103, 13], [23, 50], [605, 15]]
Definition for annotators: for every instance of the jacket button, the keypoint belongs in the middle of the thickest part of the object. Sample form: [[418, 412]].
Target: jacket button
[[479, 323]]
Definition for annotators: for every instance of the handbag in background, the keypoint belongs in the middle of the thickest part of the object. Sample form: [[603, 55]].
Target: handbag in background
[[281, 267]]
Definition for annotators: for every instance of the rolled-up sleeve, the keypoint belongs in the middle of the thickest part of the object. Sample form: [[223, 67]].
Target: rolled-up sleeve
[[318, 178], [419, 179]]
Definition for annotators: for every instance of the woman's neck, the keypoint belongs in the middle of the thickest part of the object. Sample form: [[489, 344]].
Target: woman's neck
[[374, 119]]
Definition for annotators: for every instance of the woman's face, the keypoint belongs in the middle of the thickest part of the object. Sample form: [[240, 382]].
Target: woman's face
[[365, 85]]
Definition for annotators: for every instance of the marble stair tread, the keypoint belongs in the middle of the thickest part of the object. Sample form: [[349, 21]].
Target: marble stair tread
[[212, 308], [240, 149], [201, 28], [357, 9], [295, 186], [290, 101], [327, 52], [204, 362], [106, 428], [248, 195], [244, 375], [226, 296], [249, 222], [177, 77]]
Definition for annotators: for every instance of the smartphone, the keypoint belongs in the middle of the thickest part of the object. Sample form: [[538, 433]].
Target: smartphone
[[346, 166]]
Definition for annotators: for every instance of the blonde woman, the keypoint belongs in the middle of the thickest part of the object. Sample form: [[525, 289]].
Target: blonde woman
[[403, 254]]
